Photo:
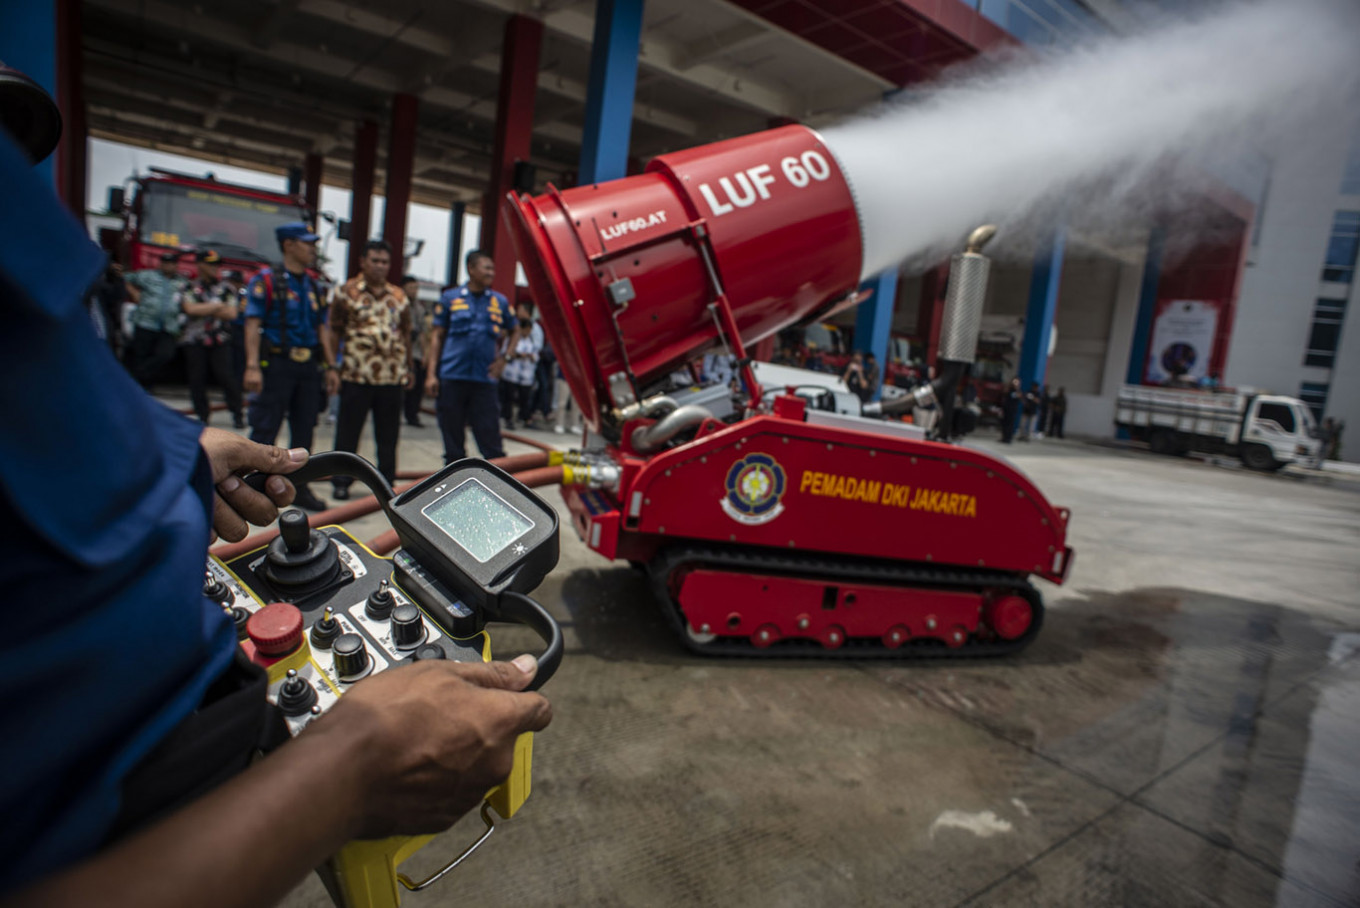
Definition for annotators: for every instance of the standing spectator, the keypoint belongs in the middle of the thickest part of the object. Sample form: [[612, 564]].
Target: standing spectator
[[461, 365], [521, 367], [156, 319], [1029, 407], [814, 359], [1010, 410], [1057, 413], [717, 368], [237, 284], [545, 381], [210, 305], [111, 293], [872, 374], [854, 377], [286, 364], [1333, 445], [420, 333], [1045, 409], [372, 318]]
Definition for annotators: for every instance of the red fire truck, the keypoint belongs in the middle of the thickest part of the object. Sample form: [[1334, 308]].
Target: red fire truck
[[171, 211]]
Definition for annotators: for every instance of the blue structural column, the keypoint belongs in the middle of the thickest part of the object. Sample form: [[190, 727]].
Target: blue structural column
[[613, 82], [28, 43], [873, 320], [1044, 282], [1147, 307]]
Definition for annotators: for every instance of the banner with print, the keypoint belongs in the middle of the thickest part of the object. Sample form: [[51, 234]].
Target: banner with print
[[1182, 341]]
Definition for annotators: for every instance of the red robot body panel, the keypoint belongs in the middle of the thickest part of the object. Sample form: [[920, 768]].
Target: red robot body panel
[[779, 483]]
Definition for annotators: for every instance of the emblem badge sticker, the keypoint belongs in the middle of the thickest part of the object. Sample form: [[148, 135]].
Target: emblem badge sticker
[[755, 487]]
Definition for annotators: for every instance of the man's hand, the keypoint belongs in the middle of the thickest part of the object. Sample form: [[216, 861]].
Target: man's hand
[[236, 503], [431, 739], [432, 386], [253, 381], [332, 382], [410, 380]]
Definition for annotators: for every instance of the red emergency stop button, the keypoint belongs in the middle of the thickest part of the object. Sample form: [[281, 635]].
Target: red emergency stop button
[[275, 629]]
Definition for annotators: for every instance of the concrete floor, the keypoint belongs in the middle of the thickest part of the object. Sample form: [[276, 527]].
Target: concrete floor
[[1183, 732]]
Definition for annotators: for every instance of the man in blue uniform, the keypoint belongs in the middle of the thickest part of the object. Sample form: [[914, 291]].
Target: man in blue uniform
[[156, 320], [110, 647], [285, 359], [463, 365]]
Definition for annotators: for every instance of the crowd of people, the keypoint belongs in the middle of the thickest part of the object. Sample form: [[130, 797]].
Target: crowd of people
[[287, 346], [1035, 413]]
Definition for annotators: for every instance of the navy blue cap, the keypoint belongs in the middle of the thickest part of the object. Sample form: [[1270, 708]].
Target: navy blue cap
[[295, 231]]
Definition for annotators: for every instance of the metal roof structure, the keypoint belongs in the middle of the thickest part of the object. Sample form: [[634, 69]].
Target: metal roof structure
[[261, 83]]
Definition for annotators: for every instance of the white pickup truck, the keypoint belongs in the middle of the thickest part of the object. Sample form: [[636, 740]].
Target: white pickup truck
[[1265, 431]]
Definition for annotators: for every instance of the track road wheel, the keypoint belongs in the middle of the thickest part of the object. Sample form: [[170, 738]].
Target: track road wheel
[[832, 636], [896, 636], [1259, 457], [765, 635], [1009, 616]]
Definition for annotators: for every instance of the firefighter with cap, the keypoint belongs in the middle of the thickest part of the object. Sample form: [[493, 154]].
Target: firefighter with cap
[[209, 304], [286, 364]]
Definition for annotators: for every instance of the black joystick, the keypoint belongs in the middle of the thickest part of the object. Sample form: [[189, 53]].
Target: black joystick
[[216, 590], [428, 651], [325, 631], [301, 560], [352, 661], [380, 602], [408, 627], [239, 617], [296, 694]]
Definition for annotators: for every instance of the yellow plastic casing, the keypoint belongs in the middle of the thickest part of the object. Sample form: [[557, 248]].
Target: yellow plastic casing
[[363, 873]]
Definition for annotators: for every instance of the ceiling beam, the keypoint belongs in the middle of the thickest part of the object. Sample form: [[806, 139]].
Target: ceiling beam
[[738, 37], [661, 55]]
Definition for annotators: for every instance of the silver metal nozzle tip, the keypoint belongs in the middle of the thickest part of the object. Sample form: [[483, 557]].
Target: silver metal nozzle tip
[[980, 237]]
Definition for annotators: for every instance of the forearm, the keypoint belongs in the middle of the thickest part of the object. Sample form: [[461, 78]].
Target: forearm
[[252, 343], [328, 344], [432, 352], [246, 844]]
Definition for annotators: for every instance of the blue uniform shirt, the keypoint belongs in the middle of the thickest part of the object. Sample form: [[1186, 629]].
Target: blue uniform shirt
[[105, 499], [474, 324], [301, 316]]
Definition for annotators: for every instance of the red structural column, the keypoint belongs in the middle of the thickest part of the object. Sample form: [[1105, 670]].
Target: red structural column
[[401, 162], [514, 130], [311, 181], [71, 153], [930, 314], [361, 191]]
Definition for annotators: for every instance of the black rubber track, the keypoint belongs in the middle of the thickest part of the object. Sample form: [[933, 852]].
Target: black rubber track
[[802, 564]]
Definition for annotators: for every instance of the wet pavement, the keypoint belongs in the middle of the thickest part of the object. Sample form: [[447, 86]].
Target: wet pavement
[[1183, 732]]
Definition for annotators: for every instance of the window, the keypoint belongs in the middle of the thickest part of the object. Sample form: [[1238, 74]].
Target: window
[[1325, 336], [1350, 177], [1315, 396], [1342, 247], [1280, 414]]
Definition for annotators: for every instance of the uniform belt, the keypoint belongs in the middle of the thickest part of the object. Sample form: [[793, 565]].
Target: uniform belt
[[296, 354]]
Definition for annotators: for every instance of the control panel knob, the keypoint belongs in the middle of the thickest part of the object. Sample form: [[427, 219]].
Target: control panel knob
[[325, 630], [296, 694], [408, 627], [296, 532], [352, 660], [429, 651], [216, 590], [276, 629], [380, 602], [239, 617]]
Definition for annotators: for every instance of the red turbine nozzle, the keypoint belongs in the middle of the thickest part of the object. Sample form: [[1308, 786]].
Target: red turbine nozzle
[[632, 276]]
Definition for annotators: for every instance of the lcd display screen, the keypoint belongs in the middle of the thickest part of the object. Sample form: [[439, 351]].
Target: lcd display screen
[[478, 519]]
